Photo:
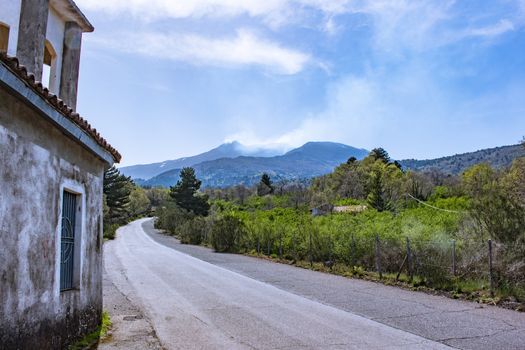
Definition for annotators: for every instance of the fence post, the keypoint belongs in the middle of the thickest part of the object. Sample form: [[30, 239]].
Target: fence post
[[409, 261], [294, 248], [378, 257], [310, 249], [268, 250], [491, 276], [454, 257], [281, 245], [353, 251], [258, 246]]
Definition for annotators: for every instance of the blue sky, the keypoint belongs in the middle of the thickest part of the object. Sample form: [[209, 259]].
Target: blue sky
[[161, 79]]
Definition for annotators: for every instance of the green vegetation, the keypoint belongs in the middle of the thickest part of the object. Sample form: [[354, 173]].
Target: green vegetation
[[185, 193], [265, 186], [125, 201], [427, 230], [93, 338]]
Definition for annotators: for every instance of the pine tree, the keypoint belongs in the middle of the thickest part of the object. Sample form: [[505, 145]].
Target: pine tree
[[265, 186], [117, 189], [380, 154], [351, 160], [185, 193], [376, 194]]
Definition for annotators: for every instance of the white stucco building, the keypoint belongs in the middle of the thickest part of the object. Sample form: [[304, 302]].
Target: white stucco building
[[52, 163]]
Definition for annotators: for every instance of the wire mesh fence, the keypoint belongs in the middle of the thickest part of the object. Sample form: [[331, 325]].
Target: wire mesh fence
[[437, 262]]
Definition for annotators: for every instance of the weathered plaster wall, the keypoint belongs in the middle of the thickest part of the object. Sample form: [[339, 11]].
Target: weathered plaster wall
[[10, 15], [32, 33], [36, 162], [71, 64], [55, 35]]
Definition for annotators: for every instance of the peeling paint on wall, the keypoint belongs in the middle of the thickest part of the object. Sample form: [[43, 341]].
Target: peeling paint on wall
[[37, 163]]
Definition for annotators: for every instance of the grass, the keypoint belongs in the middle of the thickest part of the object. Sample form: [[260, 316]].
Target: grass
[[93, 338]]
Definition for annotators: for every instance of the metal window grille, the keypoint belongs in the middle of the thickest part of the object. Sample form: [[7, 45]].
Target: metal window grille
[[67, 246]]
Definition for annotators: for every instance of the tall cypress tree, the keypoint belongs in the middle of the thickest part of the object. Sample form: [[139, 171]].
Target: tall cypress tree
[[117, 189], [185, 193], [376, 195]]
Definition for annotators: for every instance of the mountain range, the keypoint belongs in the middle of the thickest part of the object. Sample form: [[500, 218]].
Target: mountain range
[[229, 165], [232, 163], [226, 150]]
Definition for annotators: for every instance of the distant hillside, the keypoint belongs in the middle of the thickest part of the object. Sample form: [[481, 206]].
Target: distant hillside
[[497, 157], [310, 160], [227, 150]]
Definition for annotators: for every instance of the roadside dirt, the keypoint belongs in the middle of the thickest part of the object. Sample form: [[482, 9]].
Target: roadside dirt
[[131, 329]]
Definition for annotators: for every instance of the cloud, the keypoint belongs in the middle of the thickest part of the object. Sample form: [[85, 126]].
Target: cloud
[[407, 110], [499, 28], [352, 112], [399, 26], [272, 10], [244, 49]]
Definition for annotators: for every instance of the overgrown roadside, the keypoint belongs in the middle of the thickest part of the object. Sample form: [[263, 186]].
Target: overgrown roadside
[[457, 323]]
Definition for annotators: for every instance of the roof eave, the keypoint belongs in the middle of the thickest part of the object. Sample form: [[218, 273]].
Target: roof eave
[[71, 12], [26, 93]]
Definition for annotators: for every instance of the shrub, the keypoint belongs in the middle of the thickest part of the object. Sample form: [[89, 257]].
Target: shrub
[[227, 233], [171, 218], [192, 231], [110, 231]]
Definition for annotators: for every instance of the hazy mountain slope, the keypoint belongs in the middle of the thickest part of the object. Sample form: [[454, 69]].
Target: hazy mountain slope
[[312, 159], [227, 150], [497, 157]]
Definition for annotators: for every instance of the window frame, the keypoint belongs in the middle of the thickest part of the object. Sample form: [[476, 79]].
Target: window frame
[[76, 189]]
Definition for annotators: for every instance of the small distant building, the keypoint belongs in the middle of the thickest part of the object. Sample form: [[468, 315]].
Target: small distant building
[[350, 209], [51, 179], [327, 209]]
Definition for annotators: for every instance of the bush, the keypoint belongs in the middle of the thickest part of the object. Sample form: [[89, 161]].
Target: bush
[[171, 218], [110, 231], [227, 233], [192, 231]]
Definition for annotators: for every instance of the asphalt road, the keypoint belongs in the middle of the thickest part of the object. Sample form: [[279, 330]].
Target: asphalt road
[[197, 299]]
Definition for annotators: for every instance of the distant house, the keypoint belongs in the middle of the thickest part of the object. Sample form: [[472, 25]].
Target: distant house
[[51, 171], [350, 209], [326, 209]]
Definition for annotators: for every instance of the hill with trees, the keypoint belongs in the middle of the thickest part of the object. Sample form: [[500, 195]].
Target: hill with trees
[[498, 157]]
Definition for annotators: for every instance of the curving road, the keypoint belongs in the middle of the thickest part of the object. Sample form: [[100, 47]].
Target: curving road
[[195, 304]]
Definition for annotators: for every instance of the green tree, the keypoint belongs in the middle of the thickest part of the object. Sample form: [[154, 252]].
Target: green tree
[[380, 154], [265, 186], [139, 201], [496, 210], [117, 189], [186, 193], [351, 160], [377, 196], [157, 196]]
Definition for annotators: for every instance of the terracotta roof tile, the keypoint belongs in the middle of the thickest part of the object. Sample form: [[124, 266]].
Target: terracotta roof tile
[[21, 71]]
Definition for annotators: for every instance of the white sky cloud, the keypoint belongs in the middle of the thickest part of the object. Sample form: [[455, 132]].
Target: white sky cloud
[[499, 28], [396, 110], [243, 49], [154, 9]]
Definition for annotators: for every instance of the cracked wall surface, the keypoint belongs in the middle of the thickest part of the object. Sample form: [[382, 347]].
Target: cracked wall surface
[[36, 161]]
